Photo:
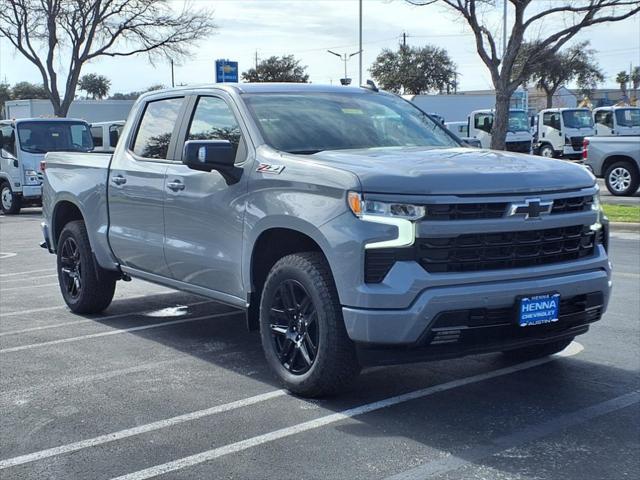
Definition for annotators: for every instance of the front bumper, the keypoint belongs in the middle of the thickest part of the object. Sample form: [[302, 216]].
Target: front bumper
[[409, 327], [32, 192]]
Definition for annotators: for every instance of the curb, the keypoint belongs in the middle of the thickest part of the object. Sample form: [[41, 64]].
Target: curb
[[625, 226]]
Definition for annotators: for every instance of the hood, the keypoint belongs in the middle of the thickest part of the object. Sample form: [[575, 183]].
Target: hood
[[456, 171]]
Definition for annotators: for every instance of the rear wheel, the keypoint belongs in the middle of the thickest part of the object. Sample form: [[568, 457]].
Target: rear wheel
[[10, 202], [85, 287], [622, 179], [302, 330], [538, 351]]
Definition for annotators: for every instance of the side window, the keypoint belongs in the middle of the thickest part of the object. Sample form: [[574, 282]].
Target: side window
[[484, 122], [154, 132], [114, 134], [551, 120], [8, 139], [96, 134], [214, 120]]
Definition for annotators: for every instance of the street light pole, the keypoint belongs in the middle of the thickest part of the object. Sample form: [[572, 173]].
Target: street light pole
[[345, 58], [360, 46]]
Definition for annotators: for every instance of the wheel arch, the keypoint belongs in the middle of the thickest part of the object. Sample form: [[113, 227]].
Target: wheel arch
[[610, 160], [64, 212]]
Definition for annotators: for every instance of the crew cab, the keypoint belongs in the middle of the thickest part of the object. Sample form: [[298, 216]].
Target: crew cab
[[351, 227], [23, 144]]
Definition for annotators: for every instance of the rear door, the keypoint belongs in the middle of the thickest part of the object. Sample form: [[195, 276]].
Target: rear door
[[203, 214], [136, 187]]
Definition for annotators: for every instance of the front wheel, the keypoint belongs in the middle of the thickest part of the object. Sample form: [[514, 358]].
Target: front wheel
[[621, 179], [546, 150], [538, 351], [303, 334], [10, 202], [85, 287]]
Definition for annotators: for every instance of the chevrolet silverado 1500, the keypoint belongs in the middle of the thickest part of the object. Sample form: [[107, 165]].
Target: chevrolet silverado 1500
[[352, 228]]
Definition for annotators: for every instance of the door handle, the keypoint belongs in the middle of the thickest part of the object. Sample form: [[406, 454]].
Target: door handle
[[119, 180], [176, 185]]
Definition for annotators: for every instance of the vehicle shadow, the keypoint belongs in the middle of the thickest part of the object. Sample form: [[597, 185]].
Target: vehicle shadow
[[448, 422]]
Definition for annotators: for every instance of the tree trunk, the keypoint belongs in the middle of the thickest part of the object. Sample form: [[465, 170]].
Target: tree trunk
[[550, 100], [500, 120]]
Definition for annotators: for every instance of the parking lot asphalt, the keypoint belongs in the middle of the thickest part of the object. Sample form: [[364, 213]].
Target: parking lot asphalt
[[169, 385], [606, 197]]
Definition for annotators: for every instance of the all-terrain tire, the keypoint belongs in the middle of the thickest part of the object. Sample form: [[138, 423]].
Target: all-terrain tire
[[335, 364], [85, 286]]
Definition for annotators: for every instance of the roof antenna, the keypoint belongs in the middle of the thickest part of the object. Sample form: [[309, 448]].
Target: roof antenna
[[370, 86]]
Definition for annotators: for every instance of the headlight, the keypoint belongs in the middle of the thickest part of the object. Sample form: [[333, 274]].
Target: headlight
[[31, 177], [400, 215], [361, 208], [597, 207]]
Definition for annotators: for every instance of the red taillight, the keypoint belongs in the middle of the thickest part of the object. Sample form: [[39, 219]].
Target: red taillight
[[585, 146], [43, 165]]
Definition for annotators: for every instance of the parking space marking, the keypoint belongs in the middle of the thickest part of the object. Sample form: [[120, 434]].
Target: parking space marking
[[527, 435], [15, 274], [93, 320], [7, 255], [28, 278], [22, 287], [130, 432], [115, 332], [57, 307], [248, 443]]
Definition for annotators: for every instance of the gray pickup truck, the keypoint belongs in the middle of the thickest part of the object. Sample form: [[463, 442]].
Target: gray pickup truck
[[616, 159], [352, 228]]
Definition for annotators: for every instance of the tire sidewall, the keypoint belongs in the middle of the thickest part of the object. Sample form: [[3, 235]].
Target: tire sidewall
[[633, 184], [72, 230], [15, 199], [280, 273], [546, 147]]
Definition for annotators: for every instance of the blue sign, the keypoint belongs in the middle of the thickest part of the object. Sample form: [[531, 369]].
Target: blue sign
[[226, 71]]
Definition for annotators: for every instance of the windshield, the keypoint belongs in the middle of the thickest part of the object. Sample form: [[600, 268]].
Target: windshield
[[307, 123], [518, 122], [577, 119], [628, 117], [43, 137]]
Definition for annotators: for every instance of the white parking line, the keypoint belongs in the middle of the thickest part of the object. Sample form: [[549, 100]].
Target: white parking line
[[114, 332], [130, 432], [326, 420], [15, 274], [526, 435], [22, 287], [58, 307], [93, 320], [38, 277]]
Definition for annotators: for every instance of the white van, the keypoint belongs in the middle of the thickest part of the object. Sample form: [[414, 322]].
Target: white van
[[23, 145], [561, 132], [105, 135], [480, 123], [619, 121]]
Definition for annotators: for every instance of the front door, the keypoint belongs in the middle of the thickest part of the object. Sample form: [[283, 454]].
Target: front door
[[136, 188], [204, 215]]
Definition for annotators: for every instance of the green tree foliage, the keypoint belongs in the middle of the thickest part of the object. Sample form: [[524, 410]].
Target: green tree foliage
[[622, 78], [5, 96], [97, 86], [277, 69], [26, 90], [414, 70], [135, 94], [559, 68]]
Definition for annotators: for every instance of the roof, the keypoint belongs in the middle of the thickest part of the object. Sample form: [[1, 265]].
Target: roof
[[48, 120], [271, 88]]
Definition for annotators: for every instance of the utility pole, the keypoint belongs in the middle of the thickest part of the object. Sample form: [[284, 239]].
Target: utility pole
[[173, 83], [345, 58], [404, 39], [256, 60], [504, 29], [360, 45]]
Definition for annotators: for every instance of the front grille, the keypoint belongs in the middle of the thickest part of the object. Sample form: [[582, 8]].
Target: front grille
[[576, 143], [494, 251], [522, 147], [486, 251], [488, 210], [487, 325]]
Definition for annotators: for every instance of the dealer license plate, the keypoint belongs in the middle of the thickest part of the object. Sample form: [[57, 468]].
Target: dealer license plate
[[539, 309]]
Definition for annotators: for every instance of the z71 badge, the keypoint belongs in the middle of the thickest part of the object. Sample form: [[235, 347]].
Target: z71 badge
[[268, 168]]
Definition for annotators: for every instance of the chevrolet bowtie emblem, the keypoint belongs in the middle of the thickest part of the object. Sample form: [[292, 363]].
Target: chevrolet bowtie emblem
[[531, 208]]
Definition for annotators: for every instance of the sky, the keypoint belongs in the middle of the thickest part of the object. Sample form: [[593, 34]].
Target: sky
[[307, 28]]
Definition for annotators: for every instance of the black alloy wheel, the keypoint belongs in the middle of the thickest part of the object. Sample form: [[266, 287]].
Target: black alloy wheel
[[71, 268]]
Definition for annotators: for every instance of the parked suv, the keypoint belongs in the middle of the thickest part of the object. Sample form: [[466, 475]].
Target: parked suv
[[351, 227]]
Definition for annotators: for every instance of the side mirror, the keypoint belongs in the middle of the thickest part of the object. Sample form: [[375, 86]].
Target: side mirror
[[208, 155]]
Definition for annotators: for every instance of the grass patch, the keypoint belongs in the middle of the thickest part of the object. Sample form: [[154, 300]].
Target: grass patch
[[622, 213]]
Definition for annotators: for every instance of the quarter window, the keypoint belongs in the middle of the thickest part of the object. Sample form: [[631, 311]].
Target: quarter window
[[154, 133]]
